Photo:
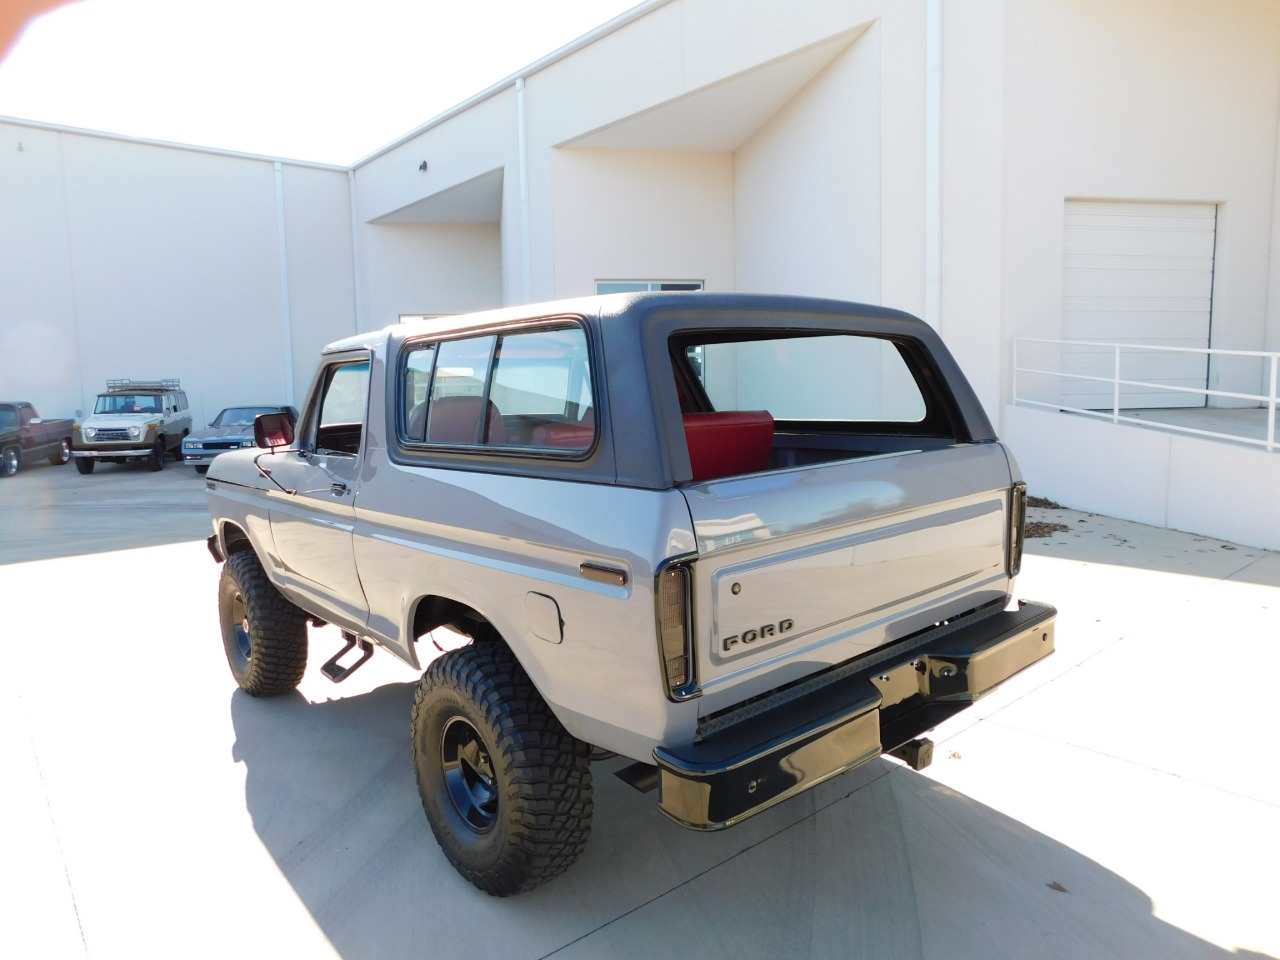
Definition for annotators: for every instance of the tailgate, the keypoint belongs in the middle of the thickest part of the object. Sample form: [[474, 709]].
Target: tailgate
[[801, 569]]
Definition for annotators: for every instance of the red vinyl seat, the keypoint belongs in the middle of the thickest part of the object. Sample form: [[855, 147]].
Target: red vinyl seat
[[728, 444], [566, 436]]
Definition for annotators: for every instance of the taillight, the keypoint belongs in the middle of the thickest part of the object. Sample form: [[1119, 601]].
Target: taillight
[[675, 631], [1017, 522]]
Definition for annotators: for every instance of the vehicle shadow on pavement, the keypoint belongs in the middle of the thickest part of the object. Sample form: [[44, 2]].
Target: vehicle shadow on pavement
[[882, 862]]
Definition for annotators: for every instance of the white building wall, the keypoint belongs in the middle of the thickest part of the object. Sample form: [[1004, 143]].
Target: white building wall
[[412, 265], [1126, 101], [39, 345], [973, 129], [808, 198], [1137, 101], [620, 74], [632, 214], [175, 269], [151, 261], [430, 268], [1272, 341], [674, 52], [469, 142], [809, 188], [320, 271], [1166, 480]]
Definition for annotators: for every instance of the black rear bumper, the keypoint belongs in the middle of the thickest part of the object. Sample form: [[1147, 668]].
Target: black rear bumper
[[797, 739]]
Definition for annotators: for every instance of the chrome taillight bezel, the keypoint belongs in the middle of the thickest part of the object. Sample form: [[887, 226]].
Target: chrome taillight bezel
[[673, 620], [1017, 527]]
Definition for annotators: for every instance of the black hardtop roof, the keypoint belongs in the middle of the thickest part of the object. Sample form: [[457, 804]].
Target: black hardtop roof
[[632, 336], [639, 309]]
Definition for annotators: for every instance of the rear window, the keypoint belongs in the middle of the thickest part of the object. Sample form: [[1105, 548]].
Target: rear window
[[754, 401], [819, 378]]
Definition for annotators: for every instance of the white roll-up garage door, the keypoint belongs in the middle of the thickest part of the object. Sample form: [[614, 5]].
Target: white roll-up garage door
[[1137, 273]]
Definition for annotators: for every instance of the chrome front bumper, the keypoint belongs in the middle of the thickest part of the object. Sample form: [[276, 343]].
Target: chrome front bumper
[[816, 730], [109, 452]]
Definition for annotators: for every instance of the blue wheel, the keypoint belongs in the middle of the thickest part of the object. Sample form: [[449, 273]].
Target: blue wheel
[[506, 789], [468, 774], [263, 635]]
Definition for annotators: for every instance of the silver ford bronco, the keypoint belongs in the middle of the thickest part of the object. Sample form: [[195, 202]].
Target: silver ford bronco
[[747, 542]]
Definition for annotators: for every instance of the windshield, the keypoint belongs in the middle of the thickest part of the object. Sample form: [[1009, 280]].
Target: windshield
[[129, 403], [8, 417], [236, 416]]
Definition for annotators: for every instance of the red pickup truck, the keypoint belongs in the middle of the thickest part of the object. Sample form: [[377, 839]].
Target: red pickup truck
[[25, 437]]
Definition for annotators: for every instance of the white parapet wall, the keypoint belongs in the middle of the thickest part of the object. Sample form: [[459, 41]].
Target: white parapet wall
[[1214, 488]]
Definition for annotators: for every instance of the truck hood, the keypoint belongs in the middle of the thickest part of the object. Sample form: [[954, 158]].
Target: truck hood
[[237, 431]]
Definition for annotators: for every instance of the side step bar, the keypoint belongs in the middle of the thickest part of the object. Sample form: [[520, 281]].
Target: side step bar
[[338, 673]]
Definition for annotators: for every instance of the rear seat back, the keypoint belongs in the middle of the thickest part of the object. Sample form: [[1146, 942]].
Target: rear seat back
[[566, 436], [728, 444], [457, 420]]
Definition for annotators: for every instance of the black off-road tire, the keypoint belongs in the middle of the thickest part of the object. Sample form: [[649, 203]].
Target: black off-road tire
[[63, 453], [263, 634], [10, 461], [506, 789], [85, 464], [157, 457], [202, 469]]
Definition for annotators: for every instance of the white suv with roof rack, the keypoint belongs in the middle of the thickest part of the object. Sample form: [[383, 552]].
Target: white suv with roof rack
[[133, 420]]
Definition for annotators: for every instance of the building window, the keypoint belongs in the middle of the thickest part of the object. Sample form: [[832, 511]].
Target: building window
[[644, 286]]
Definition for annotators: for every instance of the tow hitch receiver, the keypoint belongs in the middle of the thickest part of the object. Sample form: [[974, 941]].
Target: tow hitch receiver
[[916, 754], [337, 673]]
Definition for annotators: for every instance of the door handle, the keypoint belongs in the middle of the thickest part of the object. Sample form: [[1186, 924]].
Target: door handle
[[337, 488]]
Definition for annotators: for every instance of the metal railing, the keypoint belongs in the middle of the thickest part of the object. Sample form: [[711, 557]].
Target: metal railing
[[1118, 383]]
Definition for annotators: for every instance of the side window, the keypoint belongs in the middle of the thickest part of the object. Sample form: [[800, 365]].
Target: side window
[[458, 411], [342, 408], [418, 364], [542, 385], [529, 390]]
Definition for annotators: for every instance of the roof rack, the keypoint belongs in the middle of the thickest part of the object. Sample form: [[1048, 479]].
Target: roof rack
[[135, 386]]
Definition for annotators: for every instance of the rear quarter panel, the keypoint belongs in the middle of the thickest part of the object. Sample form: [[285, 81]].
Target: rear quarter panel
[[493, 542]]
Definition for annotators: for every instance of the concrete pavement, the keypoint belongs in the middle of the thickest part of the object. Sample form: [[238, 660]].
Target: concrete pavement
[[1121, 799]]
